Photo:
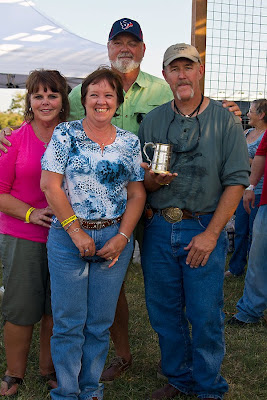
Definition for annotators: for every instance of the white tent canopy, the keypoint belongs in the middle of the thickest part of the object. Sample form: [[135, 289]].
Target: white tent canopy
[[29, 40]]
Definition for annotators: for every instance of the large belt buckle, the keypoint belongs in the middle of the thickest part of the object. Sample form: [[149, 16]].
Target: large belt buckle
[[172, 214], [99, 225]]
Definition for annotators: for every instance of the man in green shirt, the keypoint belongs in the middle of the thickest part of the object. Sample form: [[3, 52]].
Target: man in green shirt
[[142, 91], [184, 247]]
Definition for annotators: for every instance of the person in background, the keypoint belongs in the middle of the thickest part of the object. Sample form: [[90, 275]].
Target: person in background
[[24, 221], [185, 245], [253, 303], [257, 115], [142, 93], [94, 183]]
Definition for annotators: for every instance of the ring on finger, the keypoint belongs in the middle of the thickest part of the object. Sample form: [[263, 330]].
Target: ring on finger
[[86, 250], [110, 258]]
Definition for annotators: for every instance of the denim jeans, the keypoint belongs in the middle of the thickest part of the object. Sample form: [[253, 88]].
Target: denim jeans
[[84, 298], [253, 303], [243, 236], [176, 294]]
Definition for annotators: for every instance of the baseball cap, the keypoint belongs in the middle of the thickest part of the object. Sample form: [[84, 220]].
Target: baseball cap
[[181, 50], [126, 25]]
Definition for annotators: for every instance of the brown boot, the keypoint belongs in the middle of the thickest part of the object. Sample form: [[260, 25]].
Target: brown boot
[[116, 368], [167, 392]]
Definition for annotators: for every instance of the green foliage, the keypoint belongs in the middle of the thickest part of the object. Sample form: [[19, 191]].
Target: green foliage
[[244, 366], [10, 119], [17, 105]]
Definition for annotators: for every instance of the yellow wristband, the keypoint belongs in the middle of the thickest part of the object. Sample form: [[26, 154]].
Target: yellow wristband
[[28, 213], [68, 220]]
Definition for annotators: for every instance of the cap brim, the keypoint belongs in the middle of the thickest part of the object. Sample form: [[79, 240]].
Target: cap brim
[[131, 33], [192, 58]]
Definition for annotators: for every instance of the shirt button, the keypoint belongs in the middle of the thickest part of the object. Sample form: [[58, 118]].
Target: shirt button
[[182, 120], [126, 116], [185, 130]]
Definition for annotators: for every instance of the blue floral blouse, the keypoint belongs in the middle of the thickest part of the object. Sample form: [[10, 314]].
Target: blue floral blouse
[[95, 182]]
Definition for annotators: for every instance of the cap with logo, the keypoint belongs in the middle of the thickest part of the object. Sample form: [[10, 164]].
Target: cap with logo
[[126, 25], [181, 50]]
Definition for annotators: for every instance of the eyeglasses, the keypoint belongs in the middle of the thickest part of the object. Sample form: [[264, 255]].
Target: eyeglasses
[[177, 148]]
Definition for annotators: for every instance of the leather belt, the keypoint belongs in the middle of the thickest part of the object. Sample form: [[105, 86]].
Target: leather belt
[[100, 224], [176, 214]]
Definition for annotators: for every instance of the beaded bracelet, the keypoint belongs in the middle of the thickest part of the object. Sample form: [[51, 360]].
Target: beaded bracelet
[[28, 213], [74, 230], [68, 220], [68, 227]]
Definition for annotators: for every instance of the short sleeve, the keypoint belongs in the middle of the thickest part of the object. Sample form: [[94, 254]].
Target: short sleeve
[[137, 171], [8, 164], [56, 155]]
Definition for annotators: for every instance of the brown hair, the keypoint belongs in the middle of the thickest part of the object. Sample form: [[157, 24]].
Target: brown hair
[[100, 74], [53, 80], [261, 107]]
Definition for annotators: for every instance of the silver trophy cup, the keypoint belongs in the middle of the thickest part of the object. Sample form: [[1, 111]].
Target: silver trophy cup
[[161, 158]]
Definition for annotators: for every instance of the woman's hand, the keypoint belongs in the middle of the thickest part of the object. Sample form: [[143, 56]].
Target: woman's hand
[[42, 216], [248, 200], [83, 242], [112, 249], [3, 141]]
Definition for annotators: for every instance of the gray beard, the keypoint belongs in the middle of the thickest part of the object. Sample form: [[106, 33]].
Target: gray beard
[[123, 67], [191, 95]]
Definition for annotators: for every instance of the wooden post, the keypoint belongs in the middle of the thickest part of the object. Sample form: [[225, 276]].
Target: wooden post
[[198, 32]]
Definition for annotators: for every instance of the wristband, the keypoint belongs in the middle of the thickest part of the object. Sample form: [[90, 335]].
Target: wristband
[[28, 213], [250, 187], [126, 237], [68, 220]]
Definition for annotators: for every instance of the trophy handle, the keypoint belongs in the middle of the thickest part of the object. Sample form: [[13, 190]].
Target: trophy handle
[[144, 150]]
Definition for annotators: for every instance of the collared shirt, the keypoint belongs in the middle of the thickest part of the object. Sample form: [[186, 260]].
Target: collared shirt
[[220, 159], [146, 93]]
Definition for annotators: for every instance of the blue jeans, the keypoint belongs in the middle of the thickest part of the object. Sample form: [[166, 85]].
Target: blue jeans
[[253, 303], [84, 298], [176, 294], [243, 236]]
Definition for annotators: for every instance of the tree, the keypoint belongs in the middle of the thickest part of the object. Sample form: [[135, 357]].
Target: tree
[[10, 119], [17, 105]]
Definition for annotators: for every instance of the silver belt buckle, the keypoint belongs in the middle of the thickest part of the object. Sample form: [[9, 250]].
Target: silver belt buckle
[[99, 225], [172, 214]]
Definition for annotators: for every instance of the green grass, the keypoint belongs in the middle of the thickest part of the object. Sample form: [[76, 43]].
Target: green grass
[[244, 367]]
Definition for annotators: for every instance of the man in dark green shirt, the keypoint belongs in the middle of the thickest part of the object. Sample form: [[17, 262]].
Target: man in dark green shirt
[[184, 248]]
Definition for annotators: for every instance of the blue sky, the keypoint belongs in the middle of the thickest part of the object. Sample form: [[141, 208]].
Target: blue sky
[[163, 24]]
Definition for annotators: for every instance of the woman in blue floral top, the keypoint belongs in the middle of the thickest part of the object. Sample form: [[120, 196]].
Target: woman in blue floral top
[[94, 183]]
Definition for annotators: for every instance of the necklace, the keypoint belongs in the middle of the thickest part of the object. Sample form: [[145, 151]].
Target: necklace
[[42, 139], [102, 143], [196, 110], [253, 135]]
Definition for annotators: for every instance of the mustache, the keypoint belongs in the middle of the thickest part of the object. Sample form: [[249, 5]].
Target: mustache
[[184, 83], [125, 54]]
